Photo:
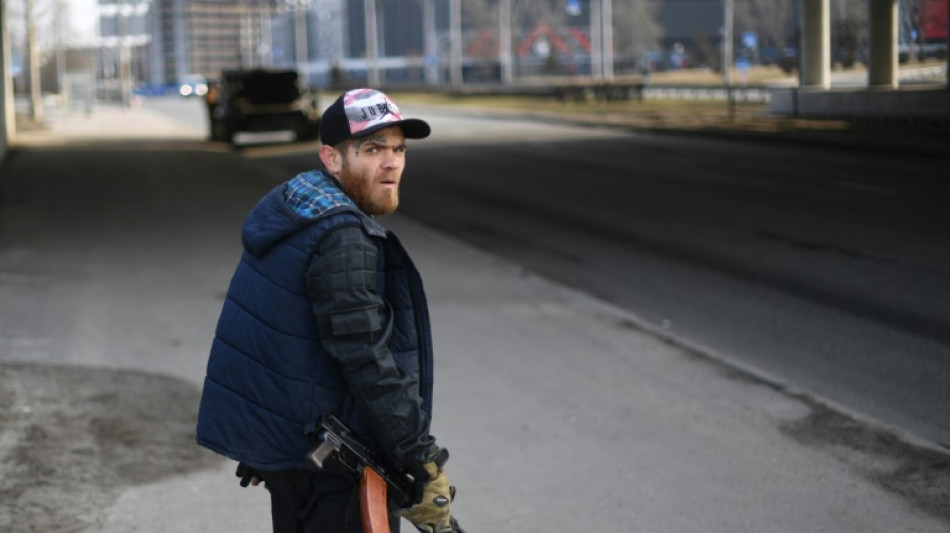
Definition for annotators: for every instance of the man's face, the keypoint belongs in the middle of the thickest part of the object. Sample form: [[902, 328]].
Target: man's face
[[371, 168]]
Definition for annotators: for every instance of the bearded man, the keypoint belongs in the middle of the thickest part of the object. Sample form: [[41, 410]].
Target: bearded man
[[326, 314]]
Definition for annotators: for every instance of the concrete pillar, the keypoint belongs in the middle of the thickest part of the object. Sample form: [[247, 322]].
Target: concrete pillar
[[7, 115], [882, 70], [816, 44]]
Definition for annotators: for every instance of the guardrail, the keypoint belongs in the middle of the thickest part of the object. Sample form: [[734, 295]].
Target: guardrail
[[641, 91], [931, 74], [737, 94], [619, 91]]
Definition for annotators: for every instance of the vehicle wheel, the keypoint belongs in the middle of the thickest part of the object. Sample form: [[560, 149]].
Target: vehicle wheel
[[220, 132], [309, 132]]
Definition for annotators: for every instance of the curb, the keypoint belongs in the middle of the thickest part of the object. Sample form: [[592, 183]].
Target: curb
[[933, 144]]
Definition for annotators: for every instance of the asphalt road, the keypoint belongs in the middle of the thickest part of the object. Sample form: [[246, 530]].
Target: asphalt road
[[563, 412], [821, 268], [825, 269]]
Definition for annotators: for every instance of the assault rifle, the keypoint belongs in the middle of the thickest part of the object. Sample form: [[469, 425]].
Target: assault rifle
[[378, 482]]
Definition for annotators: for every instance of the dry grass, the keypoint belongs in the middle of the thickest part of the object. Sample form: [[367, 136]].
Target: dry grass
[[687, 115], [684, 115]]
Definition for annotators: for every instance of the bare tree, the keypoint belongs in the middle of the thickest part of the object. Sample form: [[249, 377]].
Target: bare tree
[[849, 32], [529, 13], [636, 30], [46, 14], [772, 20], [480, 14], [525, 14], [482, 21], [634, 21]]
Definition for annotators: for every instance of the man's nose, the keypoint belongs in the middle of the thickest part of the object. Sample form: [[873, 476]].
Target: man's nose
[[392, 160]]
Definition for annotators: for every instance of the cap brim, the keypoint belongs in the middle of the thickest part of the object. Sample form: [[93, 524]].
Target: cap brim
[[412, 128]]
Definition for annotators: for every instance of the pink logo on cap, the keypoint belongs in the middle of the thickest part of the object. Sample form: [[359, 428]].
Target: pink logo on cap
[[366, 108]]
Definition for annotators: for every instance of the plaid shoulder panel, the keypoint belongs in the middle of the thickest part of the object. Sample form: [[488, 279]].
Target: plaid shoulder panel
[[311, 194]]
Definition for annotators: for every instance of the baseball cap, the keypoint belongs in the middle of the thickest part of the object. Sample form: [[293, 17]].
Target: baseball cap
[[360, 112]]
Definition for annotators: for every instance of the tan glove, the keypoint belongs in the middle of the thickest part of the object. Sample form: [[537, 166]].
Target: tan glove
[[431, 515]]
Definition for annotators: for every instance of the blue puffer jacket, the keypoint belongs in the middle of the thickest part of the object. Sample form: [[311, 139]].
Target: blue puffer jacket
[[270, 373]]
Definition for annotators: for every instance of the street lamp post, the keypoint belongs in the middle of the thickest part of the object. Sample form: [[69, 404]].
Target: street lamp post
[[430, 42], [727, 53], [504, 41], [607, 33], [36, 96], [372, 43], [596, 41], [455, 41], [301, 42]]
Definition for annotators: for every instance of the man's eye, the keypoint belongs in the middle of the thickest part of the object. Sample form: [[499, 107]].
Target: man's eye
[[372, 149]]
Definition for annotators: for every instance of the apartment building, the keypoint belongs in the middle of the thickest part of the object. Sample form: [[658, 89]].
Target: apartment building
[[204, 37]]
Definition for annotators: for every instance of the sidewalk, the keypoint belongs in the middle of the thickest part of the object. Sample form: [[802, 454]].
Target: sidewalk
[[106, 122], [563, 413], [566, 414]]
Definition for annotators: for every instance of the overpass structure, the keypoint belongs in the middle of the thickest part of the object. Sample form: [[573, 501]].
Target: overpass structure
[[815, 97], [7, 117], [883, 98]]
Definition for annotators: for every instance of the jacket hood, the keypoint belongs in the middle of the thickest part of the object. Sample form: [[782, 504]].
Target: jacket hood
[[293, 205]]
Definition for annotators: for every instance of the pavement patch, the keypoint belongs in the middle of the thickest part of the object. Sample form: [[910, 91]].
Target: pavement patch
[[920, 476], [73, 438]]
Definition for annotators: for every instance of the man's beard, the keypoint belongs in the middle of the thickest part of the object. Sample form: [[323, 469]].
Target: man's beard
[[379, 201]]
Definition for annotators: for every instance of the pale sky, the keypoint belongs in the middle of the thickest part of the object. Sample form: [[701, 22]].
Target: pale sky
[[79, 26], [82, 14]]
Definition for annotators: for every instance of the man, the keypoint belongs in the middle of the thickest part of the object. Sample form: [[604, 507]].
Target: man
[[326, 314]]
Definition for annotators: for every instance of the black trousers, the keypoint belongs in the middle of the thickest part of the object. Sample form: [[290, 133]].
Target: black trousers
[[304, 501]]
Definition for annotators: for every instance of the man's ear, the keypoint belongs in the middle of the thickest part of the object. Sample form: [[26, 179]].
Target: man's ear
[[332, 159]]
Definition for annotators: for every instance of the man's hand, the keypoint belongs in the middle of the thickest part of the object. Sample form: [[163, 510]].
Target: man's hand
[[431, 514], [248, 475]]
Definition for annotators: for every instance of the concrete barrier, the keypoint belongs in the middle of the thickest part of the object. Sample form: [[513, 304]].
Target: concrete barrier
[[917, 104]]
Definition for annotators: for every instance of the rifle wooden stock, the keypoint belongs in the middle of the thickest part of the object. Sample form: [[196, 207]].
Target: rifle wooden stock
[[378, 482], [374, 508]]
